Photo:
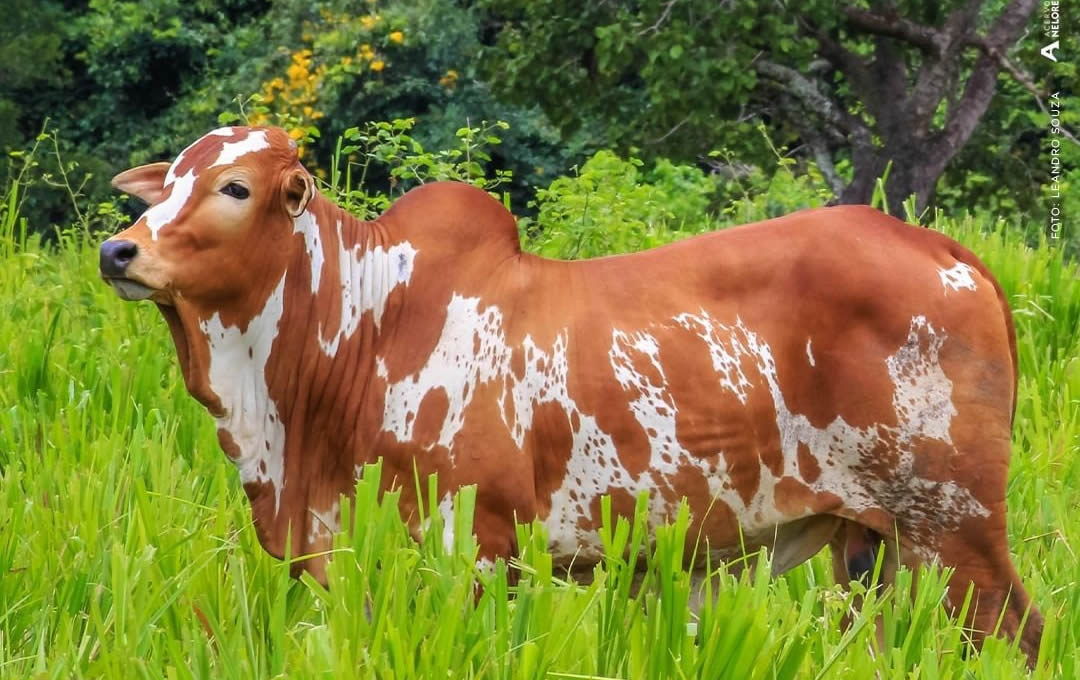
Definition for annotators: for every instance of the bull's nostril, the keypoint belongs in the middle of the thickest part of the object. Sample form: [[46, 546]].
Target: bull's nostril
[[116, 256]]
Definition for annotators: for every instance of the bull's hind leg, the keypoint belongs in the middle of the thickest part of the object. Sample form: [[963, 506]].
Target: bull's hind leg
[[854, 555], [959, 521], [855, 550], [979, 553]]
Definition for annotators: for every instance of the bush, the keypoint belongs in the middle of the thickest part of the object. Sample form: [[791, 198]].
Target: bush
[[607, 208]]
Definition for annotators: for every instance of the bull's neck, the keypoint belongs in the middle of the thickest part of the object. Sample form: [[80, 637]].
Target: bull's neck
[[353, 268], [278, 382]]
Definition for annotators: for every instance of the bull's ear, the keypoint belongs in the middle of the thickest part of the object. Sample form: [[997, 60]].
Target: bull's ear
[[298, 189], [146, 182]]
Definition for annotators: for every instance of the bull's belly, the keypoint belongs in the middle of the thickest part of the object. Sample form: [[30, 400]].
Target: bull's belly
[[749, 464], [690, 406], [737, 503]]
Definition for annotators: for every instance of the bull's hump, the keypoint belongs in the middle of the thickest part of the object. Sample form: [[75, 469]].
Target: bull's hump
[[462, 217]]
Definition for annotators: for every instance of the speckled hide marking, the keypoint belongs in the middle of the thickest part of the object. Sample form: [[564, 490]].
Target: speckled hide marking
[[366, 277], [727, 352], [238, 378], [472, 350], [162, 214], [957, 277], [923, 395]]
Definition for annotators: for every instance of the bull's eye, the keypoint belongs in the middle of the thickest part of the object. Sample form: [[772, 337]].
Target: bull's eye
[[236, 190]]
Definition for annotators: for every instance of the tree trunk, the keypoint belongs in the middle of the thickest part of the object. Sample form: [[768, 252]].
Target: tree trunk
[[911, 170]]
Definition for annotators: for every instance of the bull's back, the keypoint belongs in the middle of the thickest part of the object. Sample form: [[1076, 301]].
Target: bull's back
[[769, 373]]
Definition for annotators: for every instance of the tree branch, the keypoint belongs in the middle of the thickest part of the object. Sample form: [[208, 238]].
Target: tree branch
[[965, 116], [927, 38], [655, 28], [819, 148], [806, 92], [1024, 78]]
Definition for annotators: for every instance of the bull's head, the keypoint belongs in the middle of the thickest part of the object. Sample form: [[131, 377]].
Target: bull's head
[[216, 237]]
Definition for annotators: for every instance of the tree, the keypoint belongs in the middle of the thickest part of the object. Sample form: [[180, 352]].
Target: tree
[[863, 86]]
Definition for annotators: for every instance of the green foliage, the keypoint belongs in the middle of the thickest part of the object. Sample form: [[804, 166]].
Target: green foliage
[[389, 150], [652, 69], [127, 547], [605, 208]]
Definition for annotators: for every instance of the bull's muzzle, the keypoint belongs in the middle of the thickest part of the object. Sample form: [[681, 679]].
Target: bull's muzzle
[[114, 259]]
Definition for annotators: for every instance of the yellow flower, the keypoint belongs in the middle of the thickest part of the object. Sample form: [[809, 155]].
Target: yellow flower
[[296, 133], [397, 37], [367, 22], [377, 65], [297, 73], [366, 52], [449, 80]]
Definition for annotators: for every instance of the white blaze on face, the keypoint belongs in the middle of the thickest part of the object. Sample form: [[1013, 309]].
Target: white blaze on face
[[957, 277], [810, 354], [238, 378], [367, 277], [165, 212], [162, 214]]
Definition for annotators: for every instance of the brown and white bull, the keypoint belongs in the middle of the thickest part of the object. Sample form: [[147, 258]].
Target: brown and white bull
[[834, 376]]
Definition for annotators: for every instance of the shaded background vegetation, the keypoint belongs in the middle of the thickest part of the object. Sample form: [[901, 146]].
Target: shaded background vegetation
[[850, 90]]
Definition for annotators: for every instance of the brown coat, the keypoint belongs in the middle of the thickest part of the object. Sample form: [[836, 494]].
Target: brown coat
[[831, 376]]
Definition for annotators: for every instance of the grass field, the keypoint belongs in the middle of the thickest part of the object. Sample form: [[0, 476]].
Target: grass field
[[127, 549]]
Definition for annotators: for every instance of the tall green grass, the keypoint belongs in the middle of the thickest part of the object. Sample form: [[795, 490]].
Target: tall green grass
[[126, 548]]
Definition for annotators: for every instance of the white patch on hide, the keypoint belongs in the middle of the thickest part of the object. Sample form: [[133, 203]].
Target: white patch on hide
[[959, 276], [471, 350], [308, 226], [810, 354], [841, 450], [323, 524], [727, 353], [367, 277], [922, 396], [238, 378], [653, 408]]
